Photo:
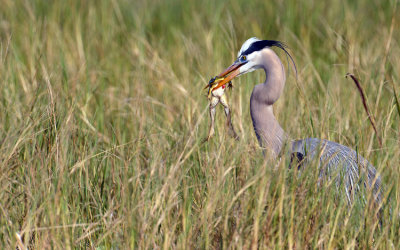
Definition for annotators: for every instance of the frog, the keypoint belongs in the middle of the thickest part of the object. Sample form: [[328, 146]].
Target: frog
[[216, 96]]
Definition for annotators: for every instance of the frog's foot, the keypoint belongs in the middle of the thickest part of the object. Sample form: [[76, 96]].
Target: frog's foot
[[207, 138], [233, 133]]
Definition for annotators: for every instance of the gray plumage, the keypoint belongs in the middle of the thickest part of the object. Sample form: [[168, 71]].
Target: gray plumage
[[256, 54], [333, 155]]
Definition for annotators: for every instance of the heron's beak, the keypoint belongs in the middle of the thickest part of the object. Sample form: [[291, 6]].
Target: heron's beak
[[229, 73]]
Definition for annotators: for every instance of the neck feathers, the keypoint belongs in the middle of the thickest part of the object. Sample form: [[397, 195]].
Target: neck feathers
[[269, 133]]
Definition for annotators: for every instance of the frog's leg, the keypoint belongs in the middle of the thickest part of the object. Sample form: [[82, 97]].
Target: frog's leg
[[224, 103], [213, 104]]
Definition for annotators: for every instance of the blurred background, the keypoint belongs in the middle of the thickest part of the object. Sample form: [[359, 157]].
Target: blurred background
[[102, 115]]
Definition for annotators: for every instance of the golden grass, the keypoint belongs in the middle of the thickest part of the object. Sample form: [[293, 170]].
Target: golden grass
[[102, 118]]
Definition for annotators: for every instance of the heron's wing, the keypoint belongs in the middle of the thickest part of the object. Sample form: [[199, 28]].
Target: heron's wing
[[333, 155], [296, 159]]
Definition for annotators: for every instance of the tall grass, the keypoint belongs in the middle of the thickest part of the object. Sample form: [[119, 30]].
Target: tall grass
[[102, 118]]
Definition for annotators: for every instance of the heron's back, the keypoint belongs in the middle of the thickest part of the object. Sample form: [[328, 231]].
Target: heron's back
[[333, 155]]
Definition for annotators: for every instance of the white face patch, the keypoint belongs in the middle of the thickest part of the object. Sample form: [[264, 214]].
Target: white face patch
[[250, 65], [247, 44]]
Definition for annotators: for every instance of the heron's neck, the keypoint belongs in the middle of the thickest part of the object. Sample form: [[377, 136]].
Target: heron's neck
[[269, 133]]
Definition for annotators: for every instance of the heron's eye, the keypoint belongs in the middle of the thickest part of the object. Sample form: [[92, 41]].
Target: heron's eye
[[243, 58]]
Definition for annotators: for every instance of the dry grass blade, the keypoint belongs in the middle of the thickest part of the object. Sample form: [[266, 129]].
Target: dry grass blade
[[20, 244], [361, 91], [396, 98]]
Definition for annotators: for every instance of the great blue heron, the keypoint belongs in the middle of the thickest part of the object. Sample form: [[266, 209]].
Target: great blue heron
[[257, 54]]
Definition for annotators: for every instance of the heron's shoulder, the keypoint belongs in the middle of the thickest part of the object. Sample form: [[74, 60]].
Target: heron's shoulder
[[316, 144], [325, 148]]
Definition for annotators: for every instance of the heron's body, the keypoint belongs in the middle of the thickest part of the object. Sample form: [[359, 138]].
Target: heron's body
[[333, 156], [256, 54]]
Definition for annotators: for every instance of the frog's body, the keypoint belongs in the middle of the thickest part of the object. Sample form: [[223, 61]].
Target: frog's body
[[217, 92], [217, 95]]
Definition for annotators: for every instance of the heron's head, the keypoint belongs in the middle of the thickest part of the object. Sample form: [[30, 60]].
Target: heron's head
[[248, 58]]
